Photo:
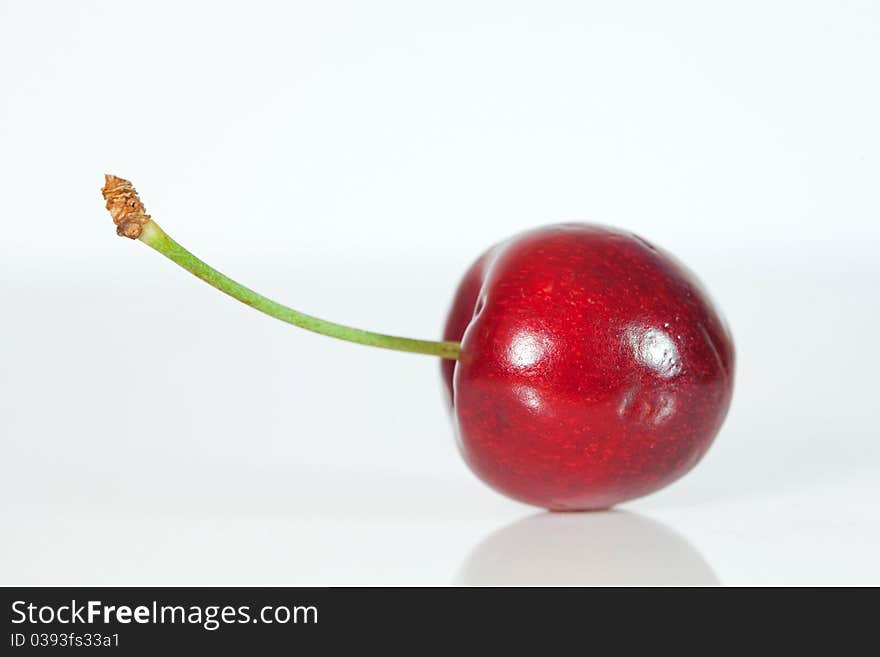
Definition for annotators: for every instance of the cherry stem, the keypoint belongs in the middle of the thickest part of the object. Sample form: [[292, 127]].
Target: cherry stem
[[132, 221], [153, 236]]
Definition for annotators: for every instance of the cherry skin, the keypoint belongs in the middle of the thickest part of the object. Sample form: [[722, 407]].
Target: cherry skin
[[594, 368]]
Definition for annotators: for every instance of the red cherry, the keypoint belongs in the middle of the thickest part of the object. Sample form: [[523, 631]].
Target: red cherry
[[594, 368], [585, 366]]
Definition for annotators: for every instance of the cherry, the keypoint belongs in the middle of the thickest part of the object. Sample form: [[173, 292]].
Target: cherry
[[593, 367], [584, 366]]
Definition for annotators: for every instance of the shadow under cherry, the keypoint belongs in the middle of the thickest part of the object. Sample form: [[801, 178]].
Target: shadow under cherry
[[614, 548]]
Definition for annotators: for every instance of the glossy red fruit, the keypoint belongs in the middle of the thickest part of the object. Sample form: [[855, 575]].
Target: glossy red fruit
[[594, 368]]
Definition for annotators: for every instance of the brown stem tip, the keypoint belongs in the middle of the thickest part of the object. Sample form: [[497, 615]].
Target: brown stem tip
[[125, 207]]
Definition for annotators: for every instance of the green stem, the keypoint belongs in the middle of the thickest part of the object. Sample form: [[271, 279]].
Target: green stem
[[156, 238]]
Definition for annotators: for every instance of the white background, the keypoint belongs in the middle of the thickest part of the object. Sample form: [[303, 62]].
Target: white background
[[351, 159]]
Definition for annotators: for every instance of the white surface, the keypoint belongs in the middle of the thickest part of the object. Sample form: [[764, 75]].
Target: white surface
[[352, 159]]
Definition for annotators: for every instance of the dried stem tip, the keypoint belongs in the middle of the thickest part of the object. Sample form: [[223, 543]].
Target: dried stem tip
[[125, 207]]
